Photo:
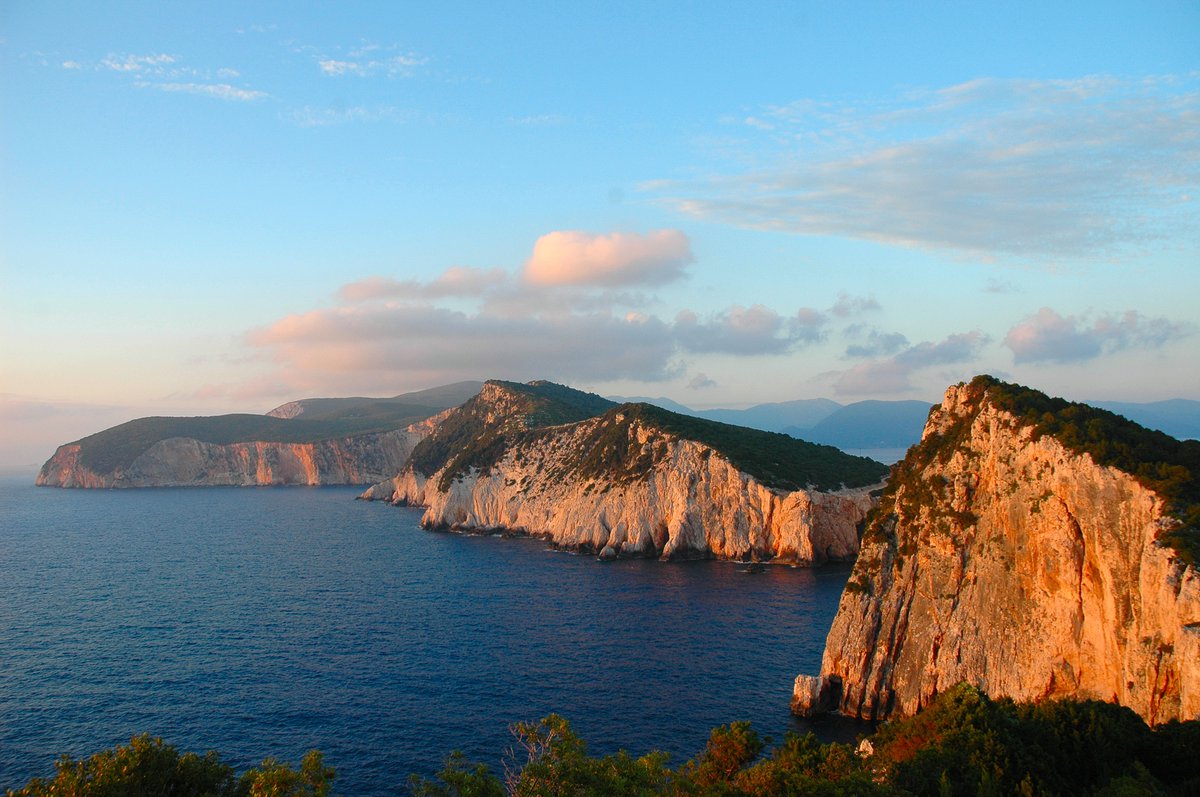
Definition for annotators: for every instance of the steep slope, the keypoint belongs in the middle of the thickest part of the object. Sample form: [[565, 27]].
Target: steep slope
[[315, 441], [1032, 548], [633, 480]]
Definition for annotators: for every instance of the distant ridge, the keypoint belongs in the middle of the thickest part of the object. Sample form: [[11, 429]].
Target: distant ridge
[[312, 441]]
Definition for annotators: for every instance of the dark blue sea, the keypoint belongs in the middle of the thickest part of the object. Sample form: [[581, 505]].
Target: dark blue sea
[[266, 622]]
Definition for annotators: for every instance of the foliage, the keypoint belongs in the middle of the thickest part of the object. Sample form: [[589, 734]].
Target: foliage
[[148, 767], [119, 446], [273, 778], [475, 436], [611, 452], [962, 743]]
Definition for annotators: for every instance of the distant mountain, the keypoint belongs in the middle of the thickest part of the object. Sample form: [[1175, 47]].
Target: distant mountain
[[803, 413], [383, 410], [313, 441], [1179, 418], [658, 401], [869, 424]]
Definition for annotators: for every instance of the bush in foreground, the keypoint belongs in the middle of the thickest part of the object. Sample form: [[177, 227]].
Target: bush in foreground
[[962, 744]]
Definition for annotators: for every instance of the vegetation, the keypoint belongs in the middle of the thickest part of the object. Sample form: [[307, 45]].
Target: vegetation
[[473, 437], [1158, 461], [962, 744], [148, 767], [612, 452], [119, 446]]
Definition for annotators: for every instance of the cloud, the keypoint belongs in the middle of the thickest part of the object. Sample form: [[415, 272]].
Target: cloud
[[747, 331], [847, 305], [152, 64], [1047, 337], [1025, 169], [894, 375], [701, 381], [313, 116], [221, 91], [580, 258], [71, 65], [374, 346], [1001, 287], [457, 281], [878, 344], [401, 64]]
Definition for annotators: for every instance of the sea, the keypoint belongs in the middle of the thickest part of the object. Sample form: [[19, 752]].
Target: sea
[[270, 621]]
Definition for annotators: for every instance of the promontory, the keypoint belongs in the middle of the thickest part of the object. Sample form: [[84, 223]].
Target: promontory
[[1033, 548], [633, 480]]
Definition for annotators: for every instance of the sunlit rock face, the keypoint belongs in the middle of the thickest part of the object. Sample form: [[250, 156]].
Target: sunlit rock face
[[1001, 558], [666, 497], [184, 462]]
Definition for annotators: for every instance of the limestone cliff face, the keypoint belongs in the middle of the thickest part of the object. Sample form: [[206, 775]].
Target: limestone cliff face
[[684, 500], [185, 462], [1003, 559]]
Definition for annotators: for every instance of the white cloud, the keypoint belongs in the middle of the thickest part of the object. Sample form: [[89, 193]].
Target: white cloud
[[1048, 337], [222, 91], [991, 168], [360, 65], [573, 257], [701, 381], [142, 64]]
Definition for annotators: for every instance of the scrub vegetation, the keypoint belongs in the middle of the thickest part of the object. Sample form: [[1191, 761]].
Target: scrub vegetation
[[482, 430], [962, 744]]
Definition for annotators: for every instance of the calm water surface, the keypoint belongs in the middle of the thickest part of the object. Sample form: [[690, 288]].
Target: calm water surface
[[271, 621]]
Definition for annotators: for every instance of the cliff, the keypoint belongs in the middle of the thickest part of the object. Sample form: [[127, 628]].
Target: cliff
[[312, 441], [635, 480], [1032, 548], [187, 462]]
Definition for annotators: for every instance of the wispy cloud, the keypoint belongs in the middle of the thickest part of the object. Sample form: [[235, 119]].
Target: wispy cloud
[[169, 73], [1023, 169], [315, 116], [142, 64], [221, 91], [895, 374], [367, 60], [1047, 337]]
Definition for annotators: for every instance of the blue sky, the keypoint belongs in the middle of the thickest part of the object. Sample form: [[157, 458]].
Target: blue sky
[[217, 207]]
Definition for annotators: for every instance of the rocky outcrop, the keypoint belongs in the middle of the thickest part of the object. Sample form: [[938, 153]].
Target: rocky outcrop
[[1004, 558], [619, 485], [186, 462]]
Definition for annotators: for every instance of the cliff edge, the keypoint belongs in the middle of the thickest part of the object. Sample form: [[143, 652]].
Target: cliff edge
[[633, 480], [1032, 548]]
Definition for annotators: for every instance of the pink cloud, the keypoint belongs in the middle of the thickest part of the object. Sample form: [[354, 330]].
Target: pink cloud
[[572, 257], [1047, 336]]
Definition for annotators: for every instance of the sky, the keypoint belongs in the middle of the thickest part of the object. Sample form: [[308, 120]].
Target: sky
[[217, 207]]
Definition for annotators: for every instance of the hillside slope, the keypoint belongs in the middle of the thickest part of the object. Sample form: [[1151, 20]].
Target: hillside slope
[[633, 480], [314, 441], [1033, 548]]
